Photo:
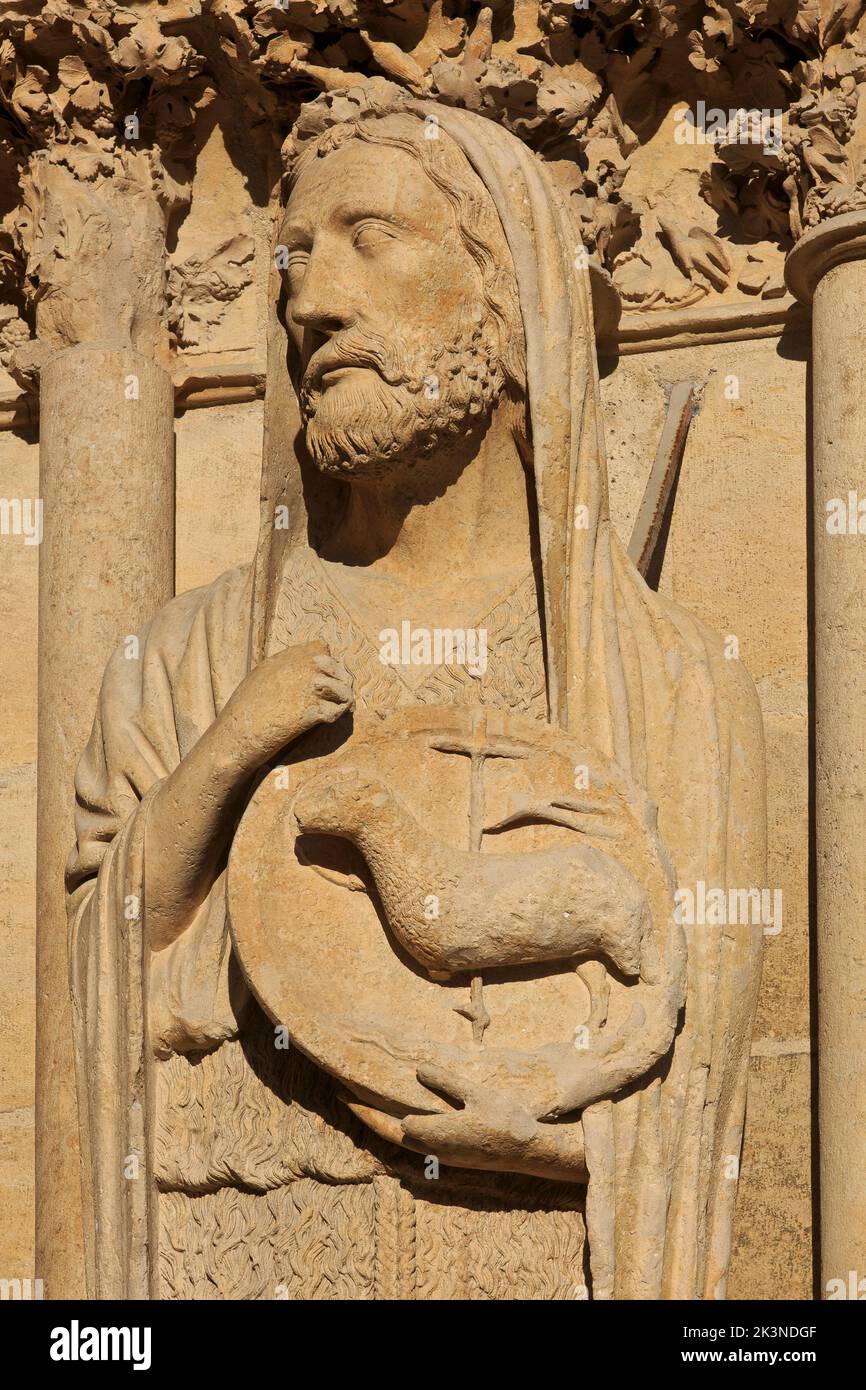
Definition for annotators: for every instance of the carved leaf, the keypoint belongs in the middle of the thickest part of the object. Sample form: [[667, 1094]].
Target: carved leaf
[[201, 287]]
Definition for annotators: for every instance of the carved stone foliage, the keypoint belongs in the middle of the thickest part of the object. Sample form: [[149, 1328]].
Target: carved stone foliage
[[818, 53], [200, 287], [96, 128], [107, 97]]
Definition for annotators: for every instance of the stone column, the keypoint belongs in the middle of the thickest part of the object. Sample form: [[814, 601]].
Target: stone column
[[828, 268], [106, 565]]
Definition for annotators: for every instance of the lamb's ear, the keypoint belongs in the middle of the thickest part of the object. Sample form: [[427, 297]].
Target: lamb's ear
[[646, 547]]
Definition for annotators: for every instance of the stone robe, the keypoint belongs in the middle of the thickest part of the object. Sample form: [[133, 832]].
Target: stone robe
[[253, 1178]]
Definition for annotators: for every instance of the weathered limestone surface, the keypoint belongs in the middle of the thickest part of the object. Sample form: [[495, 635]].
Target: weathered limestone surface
[[217, 481], [829, 266], [18, 668], [106, 482], [742, 499], [217, 491], [145, 153]]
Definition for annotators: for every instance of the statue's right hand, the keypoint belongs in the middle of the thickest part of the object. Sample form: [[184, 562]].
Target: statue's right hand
[[195, 808], [283, 697]]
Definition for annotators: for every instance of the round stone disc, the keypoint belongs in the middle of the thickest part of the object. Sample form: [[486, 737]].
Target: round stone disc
[[311, 934]]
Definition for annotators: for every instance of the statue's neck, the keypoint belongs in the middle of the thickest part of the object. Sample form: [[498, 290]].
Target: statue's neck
[[463, 521]]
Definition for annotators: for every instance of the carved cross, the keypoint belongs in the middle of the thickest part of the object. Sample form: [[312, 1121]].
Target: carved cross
[[478, 747]]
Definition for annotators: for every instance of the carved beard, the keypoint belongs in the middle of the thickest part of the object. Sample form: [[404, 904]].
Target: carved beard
[[417, 400]]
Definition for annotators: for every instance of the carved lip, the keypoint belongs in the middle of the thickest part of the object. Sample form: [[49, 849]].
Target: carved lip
[[325, 366]]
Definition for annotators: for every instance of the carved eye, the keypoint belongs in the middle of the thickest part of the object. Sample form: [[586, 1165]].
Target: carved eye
[[368, 235], [296, 267]]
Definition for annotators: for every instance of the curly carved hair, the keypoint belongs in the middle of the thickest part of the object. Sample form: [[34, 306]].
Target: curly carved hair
[[381, 113]]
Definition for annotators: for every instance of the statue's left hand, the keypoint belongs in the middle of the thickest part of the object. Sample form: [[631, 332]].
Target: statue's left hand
[[491, 1131]]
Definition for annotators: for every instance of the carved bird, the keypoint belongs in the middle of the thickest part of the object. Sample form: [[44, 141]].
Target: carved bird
[[456, 910]]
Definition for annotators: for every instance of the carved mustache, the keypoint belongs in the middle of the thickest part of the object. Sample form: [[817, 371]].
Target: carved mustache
[[354, 348]]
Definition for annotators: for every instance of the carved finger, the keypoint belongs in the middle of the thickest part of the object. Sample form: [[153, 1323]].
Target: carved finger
[[447, 1082], [335, 690], [313, 650], [386, 1126], [614, 1042], [443, 1135], [327, 711], [585, 805], [329, 666], [650, 964], [416, 1130]]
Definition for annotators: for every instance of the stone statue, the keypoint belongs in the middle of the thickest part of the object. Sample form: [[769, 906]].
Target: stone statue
[[378, 984]]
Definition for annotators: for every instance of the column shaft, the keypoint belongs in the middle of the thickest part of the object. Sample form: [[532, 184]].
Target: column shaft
[[839, 444], [106, 565]]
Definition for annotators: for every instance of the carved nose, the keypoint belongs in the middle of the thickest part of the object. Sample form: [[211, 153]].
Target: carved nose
[[316, 317], [324, 301]]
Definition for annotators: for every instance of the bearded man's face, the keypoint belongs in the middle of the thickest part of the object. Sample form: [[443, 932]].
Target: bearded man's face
[[398, 351]]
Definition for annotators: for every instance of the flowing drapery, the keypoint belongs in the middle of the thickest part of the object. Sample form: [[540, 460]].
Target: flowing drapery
[[627, 671]]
